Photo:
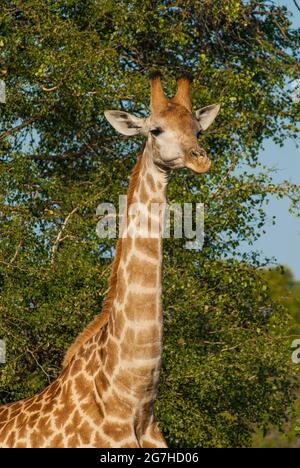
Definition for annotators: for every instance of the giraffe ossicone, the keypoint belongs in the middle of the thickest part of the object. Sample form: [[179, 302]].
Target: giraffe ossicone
[[105, 394]]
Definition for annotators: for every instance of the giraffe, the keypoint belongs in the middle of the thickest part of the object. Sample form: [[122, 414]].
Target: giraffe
[[105, 393]]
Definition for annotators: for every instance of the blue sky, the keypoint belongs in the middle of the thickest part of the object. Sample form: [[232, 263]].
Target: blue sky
[[282, 241]]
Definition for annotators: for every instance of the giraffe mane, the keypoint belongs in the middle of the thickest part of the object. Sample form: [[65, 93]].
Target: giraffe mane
[[100, 320]]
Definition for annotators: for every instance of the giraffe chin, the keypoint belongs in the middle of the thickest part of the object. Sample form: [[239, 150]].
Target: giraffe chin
[[199, 165]]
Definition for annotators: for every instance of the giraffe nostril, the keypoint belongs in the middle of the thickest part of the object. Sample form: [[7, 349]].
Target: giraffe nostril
[[196, 153]]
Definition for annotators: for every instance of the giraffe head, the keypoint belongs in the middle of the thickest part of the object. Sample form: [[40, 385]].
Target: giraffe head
[[172, 129]]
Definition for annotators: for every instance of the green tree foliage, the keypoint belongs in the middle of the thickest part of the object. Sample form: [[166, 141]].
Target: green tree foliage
[[64, 62], [286, 291]]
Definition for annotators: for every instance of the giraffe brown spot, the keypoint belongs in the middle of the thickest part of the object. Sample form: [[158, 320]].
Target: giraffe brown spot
[[3, 414], [121, 286], [130, 445], [64, 375], [32, 419], [144, 419], [101, 383], [84, 432], [65, 391], [111, 328], [11, 439], [55, 389], [143, 350], [92, 365], [103, 354], [129, 336], [100, 442], [21, 419], [76, 419], [35, 440], [69, 429], [74, 442], [117, 431], [151, 182], [48, 407], [44, 427], [84, 353], [35, 408], [141, 306], [20, 445], [76, 366], [141, 373], [112, 357], [22, 428], [143, 194], [150, 334], [119, 324], [82, 386], [28, 403], [14, 414], [104, 335], [141, 272], [150, 247], [6, 428], [154, 199], [93, 411], [118, 406], [127, 243], [127, 383], [62, 413], [148, 444], [17, 407], [57, 442]]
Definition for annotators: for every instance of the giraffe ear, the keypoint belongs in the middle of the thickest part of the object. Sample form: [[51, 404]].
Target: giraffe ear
[[206, 115], [125, 123]]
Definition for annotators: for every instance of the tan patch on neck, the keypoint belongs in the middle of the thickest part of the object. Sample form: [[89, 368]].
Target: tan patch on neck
[[101, 383], [135, 309], [121, 285], [118, 407], [112, 357], [151, 182], [144, 197], [118, 324], [141, 272], [150, 247], [131, 349], [117, 431]]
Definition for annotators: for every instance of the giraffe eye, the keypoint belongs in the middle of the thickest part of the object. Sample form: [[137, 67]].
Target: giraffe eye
[[156, 131]]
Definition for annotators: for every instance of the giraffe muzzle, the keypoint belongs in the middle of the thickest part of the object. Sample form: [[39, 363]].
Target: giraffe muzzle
[[198, 161]]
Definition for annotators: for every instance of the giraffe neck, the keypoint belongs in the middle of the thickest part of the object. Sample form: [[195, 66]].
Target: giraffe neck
[[134, 331]]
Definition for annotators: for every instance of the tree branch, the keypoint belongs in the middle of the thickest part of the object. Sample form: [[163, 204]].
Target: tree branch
[[17, 128], [61, 157], [225, 178], [59, 235], [8, 264], [296, 4], [50, 90], [39, 365], [71, 154]]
